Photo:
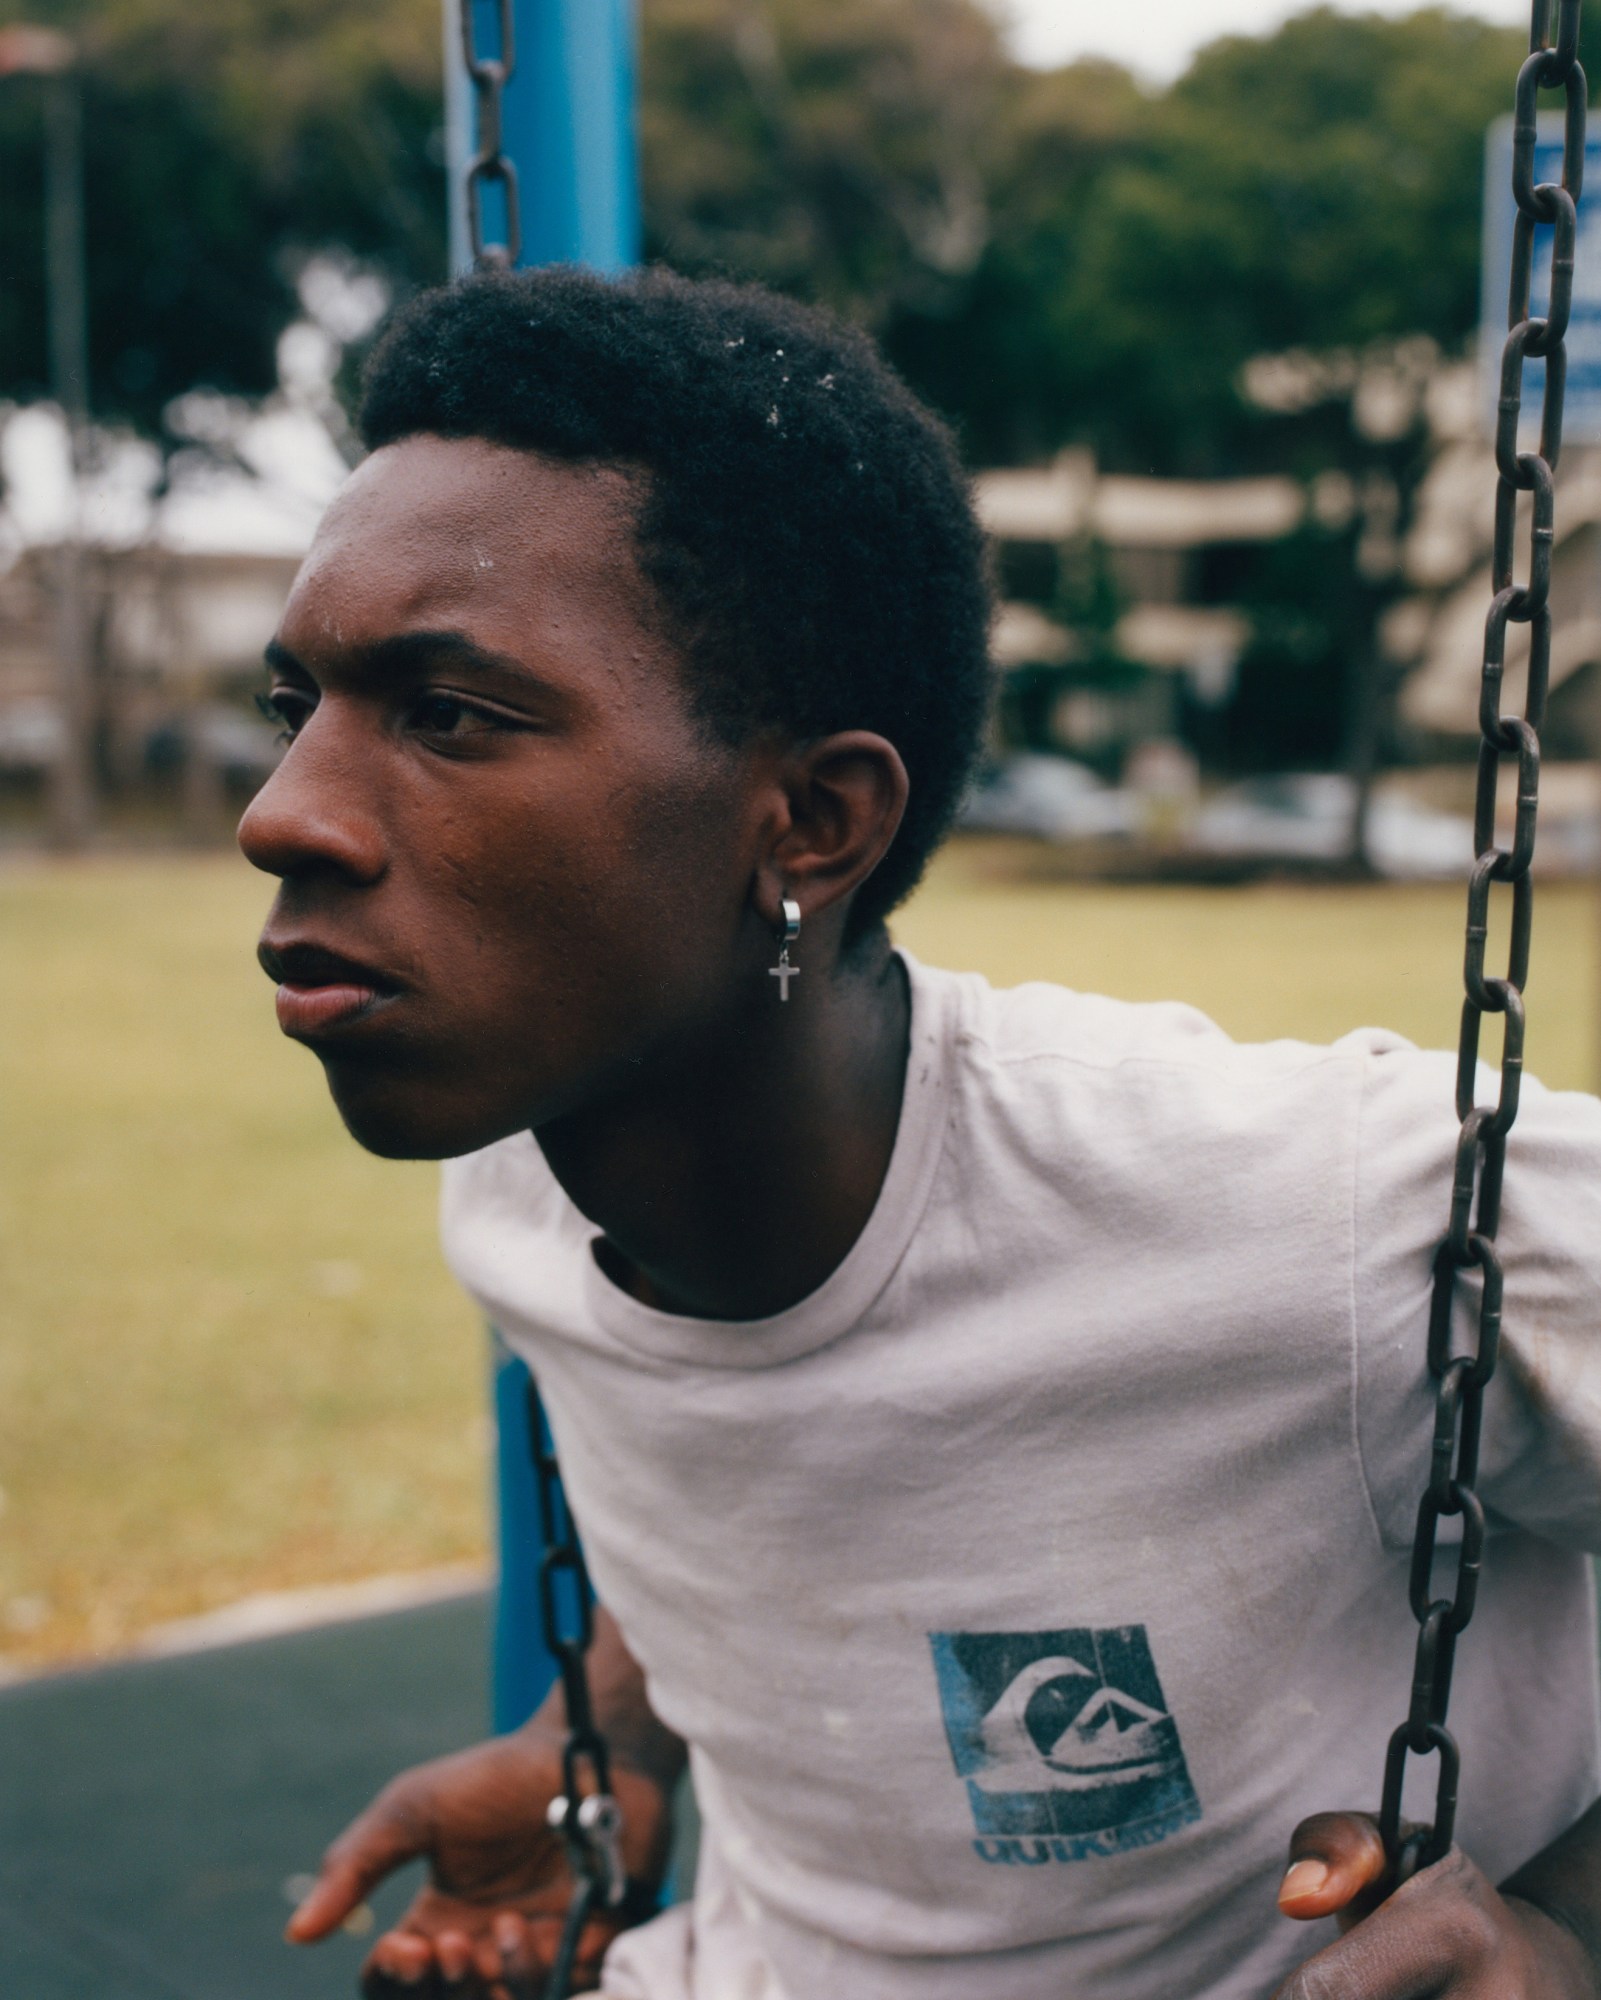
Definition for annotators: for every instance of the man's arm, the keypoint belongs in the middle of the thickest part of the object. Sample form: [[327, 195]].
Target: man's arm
[[1448, 1932], [499, 1884]]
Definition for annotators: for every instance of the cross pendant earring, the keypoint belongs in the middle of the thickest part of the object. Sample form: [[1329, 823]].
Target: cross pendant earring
[[784, 972]]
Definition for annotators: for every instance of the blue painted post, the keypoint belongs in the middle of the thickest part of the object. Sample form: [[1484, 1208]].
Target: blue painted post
[[521, 1666], [569, 129]]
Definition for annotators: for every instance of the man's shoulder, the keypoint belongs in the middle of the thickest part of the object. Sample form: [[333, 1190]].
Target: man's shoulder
[[1040, 1022], [1147, 1096]]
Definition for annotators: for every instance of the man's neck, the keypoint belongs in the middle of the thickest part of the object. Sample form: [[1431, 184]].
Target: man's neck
[[731, 1185]]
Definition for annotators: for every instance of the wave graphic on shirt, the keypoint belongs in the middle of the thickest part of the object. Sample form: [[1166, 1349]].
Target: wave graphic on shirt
[[1114, 1738], [1065, 1736]]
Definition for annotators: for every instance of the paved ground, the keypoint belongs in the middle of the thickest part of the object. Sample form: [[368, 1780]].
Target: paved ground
[[150, 1813]]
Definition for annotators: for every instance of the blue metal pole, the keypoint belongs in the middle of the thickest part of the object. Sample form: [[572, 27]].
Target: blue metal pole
[[521, 1666], [569, 129]]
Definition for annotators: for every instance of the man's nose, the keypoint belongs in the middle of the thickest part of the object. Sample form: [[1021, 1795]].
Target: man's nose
[[313, 814]]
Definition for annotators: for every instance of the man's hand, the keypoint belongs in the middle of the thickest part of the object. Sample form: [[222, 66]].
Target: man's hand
[[1448, 1934], [486, 1925]]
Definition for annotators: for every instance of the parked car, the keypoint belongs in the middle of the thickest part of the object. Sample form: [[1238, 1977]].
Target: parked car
[[1306, 816], [1052, 798]]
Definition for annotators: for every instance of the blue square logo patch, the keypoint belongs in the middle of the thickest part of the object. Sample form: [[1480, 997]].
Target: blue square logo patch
[[1064, 1736]]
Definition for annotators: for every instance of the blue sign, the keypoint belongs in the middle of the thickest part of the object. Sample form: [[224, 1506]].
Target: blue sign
[[1582, 419]]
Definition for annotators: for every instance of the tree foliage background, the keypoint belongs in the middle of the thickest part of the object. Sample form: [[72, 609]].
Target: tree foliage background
[[222, 144], [1052, 257]]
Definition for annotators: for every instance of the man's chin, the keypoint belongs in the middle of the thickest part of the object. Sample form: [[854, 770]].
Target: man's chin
[[411, 1123]]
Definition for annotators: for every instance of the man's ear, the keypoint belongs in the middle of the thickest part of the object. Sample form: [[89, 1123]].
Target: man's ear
[[845, 796]]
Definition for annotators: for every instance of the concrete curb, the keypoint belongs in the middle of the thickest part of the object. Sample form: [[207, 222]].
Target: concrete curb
[[269, 1614]]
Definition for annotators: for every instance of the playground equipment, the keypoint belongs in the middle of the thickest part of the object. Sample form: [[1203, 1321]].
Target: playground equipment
[[549, 178]]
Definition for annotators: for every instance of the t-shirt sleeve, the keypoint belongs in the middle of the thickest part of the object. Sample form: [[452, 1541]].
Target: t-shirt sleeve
[[1540, 1464]]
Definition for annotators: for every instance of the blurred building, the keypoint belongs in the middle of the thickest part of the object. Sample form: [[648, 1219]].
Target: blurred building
[[184, 569], [1121, 597], [176, 644], [1125, 615], [1436, 634], [1125, 621]]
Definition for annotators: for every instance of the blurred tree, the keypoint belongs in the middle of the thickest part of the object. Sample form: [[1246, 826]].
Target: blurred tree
[[841, 149], [1052, 257], [1316, 188], [223, 145], [1003, 355], [1313, 195]]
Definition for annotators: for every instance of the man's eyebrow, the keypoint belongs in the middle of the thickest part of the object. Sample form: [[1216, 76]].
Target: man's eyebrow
[[408, 652]]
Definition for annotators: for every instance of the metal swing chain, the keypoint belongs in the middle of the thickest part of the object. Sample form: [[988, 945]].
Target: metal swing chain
[[489, 165], [1469, 1243], [590, 1823]]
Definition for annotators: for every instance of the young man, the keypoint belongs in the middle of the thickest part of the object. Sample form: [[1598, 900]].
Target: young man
[[995, 1419]]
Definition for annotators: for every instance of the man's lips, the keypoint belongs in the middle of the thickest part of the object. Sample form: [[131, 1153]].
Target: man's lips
[[319, 989], [305, 1011]]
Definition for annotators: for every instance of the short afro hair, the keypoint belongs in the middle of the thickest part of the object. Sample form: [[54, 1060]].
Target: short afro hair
[[806, 526]]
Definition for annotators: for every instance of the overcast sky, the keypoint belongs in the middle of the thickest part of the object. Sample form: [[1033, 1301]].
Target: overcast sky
[[1156, 38]]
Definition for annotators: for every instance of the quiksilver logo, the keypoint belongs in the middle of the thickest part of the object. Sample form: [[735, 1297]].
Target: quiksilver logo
[[1064, 1736]]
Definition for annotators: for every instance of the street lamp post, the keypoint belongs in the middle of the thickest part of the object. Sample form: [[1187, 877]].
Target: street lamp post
[[26, 50]]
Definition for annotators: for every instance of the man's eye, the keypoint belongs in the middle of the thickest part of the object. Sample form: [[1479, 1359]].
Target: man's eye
[[287, 708], [448, 715]]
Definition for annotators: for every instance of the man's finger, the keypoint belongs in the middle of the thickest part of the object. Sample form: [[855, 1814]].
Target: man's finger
[[372, 1847], [453, 1951], [487, 1962], [521, 1969], [400, 1962], [1334, 1859]]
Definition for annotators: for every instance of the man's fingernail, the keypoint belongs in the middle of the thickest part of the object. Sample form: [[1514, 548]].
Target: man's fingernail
[[1305, 1878]]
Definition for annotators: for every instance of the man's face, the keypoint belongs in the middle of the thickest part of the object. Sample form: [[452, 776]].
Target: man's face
[[513, 868]]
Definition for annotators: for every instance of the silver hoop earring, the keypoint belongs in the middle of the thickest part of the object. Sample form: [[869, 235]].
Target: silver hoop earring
[[784, 972]]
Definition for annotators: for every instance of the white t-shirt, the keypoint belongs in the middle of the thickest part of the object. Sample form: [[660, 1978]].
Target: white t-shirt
[[1020, 1589]]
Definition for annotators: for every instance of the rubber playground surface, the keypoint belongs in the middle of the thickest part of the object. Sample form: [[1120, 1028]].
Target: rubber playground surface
[[152, 1812]]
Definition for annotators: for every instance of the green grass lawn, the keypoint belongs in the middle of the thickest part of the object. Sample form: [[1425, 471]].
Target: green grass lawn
[[230, 1359]]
